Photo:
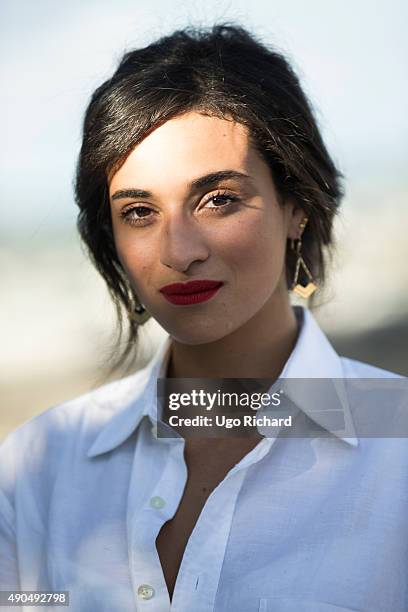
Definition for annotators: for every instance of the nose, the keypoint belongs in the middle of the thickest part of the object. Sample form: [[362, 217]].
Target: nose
[[182, 244]]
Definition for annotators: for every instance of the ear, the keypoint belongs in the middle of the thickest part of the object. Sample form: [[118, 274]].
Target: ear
[[296, 216]]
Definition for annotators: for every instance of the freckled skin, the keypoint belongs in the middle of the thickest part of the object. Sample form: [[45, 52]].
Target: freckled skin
[[184, 240]]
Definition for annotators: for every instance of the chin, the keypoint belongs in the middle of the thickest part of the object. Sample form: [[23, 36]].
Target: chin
[[201, 333]]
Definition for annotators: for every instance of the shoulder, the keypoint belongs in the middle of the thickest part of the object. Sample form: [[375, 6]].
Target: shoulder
[[92, 408], [378, 401], [358, 369], [74, 423]]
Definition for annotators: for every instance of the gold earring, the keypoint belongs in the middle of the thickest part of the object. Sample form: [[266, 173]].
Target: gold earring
[[140, 315], [305, 291]]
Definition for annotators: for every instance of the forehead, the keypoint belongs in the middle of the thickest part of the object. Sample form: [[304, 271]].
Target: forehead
[[188, 146]]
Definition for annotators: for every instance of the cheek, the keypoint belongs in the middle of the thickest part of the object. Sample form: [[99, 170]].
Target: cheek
[[253, 248], [137, 258]]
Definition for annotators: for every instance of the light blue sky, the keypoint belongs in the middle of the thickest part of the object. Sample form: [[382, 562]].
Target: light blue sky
[[351, 56]]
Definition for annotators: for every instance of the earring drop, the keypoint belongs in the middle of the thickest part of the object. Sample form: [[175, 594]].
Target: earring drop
[[140, 315], [305, 291]]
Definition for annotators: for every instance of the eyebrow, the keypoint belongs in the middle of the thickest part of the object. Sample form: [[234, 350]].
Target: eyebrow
[[201, 182]]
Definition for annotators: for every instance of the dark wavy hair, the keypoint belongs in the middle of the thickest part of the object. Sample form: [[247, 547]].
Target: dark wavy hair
[[222, 71]]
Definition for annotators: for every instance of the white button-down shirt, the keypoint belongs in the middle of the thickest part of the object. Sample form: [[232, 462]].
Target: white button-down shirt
[[298, 525]]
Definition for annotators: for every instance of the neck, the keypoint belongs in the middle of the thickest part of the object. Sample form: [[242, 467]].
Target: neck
[[258, 349]]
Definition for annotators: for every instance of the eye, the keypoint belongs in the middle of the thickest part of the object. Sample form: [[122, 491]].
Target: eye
[[136, 215], [221, 199]]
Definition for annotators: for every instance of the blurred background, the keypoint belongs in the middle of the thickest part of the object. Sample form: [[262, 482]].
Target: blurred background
[[57, 323]]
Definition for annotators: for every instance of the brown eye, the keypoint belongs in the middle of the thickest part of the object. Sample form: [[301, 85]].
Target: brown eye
[[220, 200], [136, 215], [140, 211]]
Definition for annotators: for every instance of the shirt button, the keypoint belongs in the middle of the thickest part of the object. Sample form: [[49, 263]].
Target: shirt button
[[145, 591], [157, 502]]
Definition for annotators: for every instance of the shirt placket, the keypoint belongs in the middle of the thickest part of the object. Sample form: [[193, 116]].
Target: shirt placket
[[150, 509], [200, 570]]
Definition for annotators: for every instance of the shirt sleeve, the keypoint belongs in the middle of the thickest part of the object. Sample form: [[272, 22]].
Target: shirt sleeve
[[9, 574], [8, 550]]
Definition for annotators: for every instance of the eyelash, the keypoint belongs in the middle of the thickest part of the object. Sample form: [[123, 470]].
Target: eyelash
[[126, 213]]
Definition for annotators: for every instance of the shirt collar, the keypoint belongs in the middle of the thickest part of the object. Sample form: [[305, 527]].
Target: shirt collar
[[312, 357], [132, 410]]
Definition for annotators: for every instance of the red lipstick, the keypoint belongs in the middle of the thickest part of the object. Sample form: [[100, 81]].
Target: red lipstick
[[192, 292]]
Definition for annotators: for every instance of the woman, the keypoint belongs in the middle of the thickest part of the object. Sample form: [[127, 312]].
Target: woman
[[206, 195]]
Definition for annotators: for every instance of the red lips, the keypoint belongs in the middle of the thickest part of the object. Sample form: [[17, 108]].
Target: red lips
[[192, 292], [190, 287]]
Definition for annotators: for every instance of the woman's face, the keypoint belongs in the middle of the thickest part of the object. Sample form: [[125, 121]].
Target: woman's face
[[194, 201]]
